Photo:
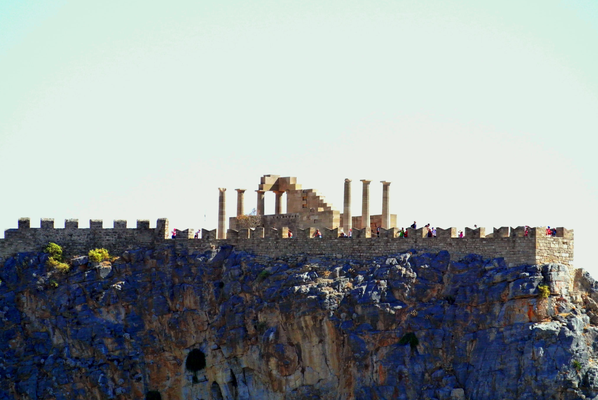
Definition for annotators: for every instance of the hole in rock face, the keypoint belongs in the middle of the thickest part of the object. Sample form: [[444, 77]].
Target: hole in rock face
[[216, 392], [233, 379], [153, 395], [196, 360]]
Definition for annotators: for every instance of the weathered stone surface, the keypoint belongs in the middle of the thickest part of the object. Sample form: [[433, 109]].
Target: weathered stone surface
[[406, 326]]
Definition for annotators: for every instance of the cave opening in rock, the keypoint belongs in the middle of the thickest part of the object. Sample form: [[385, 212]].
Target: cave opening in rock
[[153, 395], [233, 379], [196, 360], [216, 392], [233, 385]]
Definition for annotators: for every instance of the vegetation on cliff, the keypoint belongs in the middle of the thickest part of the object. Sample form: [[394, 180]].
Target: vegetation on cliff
[[98, 255], [55, 259]]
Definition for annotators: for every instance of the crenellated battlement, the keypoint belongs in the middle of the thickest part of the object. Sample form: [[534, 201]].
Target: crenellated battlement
[[519, 245], [77, 240]]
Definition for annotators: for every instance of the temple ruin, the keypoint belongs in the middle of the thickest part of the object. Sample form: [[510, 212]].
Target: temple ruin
[[306, 208]]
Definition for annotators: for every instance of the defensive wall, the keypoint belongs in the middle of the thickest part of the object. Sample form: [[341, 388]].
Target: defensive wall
[[75, 240], [513, 244]]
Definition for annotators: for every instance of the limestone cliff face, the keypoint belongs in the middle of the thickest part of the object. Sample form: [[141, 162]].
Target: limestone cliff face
[[162, 323]]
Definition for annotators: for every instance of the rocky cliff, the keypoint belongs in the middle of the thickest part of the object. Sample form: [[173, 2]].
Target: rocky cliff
[[165, 323]]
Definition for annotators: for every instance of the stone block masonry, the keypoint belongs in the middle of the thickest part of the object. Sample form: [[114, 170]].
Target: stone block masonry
[[78, 241], [511, 244]]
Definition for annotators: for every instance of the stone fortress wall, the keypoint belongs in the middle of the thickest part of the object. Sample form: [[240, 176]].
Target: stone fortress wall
[[307, 211], [506, 242], [79, 241]]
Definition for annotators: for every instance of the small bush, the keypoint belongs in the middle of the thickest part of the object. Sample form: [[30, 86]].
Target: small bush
[[262, 326], [57, 265], [263, 275], [410, 339], [54, 250], [544, 291], [577, 365], [98, 255]]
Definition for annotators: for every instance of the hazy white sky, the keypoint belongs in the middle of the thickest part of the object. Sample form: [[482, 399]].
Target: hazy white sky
[[478, 112]]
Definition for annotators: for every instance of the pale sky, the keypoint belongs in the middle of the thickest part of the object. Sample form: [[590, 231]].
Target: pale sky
[[478, 112]]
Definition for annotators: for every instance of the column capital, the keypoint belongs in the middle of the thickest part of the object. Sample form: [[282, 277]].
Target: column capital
[[222, 190], [385, 183], [347, 180], [240, 190], [365, 181]]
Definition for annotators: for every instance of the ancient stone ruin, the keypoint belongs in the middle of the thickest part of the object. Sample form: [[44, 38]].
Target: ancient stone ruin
[[255, 313], [307, 212], [306, 208]]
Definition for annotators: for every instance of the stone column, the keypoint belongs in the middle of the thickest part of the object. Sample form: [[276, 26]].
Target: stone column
[[260, 202], [385, 199], [347, 218], [222, 214], [365, 204], [240, 202], [278, 206]]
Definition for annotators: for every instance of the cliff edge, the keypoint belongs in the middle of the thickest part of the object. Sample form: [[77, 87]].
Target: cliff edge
[[172, 323]]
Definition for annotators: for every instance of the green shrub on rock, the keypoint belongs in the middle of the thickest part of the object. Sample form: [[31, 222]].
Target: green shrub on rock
[[57, 265], [263, 275], [410, 339], [544, 291], [55, 260], [98, 255], [261, 326], [54, 250]]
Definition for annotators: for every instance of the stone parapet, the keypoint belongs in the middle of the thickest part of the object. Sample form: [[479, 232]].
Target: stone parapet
[[77, 240], [516, 245]]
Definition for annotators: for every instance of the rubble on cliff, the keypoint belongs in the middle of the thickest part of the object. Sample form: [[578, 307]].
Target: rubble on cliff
[[166, 323]]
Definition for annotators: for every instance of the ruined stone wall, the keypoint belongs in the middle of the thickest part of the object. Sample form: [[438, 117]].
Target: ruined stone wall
[[375, 221], [296, 221]]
